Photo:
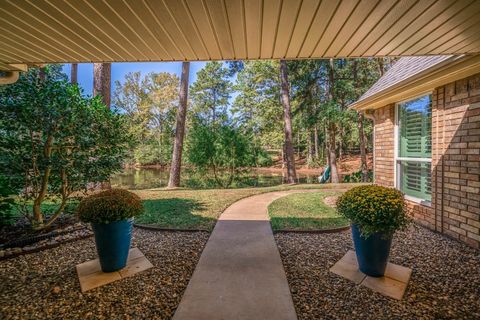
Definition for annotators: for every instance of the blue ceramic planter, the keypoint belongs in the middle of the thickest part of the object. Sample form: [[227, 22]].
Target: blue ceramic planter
[[372, 253], [113, 243]]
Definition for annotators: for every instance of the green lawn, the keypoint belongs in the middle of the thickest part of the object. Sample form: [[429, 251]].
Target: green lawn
[[200, 209], [305, 211]]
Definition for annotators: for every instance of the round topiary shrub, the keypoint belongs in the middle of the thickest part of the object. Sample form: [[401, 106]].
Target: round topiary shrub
[[374, 209], [110, 206]]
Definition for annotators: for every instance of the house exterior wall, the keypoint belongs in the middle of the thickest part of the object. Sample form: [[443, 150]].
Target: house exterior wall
[[455, 205]]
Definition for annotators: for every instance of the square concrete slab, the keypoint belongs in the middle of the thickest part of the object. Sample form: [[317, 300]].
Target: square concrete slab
[[347, 267], [393, 284], [91, 276]]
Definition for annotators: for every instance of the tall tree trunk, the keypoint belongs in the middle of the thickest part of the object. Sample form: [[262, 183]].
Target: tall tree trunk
[[311, 149], [291, 172], [101, 81], [332, 153], [363, 151], [298, 145], [74, 74], [332, 131], [381, 66], [340, 142], [175, 168], [361, 131], [315, 132], [101, 87]]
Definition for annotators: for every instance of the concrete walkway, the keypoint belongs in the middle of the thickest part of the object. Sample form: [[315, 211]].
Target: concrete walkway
[[240, 274]]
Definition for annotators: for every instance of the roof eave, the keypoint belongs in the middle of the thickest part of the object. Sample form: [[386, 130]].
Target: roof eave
[[456, 68]]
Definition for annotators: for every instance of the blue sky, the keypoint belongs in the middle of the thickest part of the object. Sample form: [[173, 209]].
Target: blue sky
[[119, 70]]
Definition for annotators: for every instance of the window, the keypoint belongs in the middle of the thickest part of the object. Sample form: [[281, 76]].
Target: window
[[414, 148]]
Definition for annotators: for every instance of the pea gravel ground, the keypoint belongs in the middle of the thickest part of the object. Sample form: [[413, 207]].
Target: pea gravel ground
[[445, 282], [44, 285]]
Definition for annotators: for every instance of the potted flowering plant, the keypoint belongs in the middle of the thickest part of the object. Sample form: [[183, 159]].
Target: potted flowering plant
[[375, 213], [111, 214]]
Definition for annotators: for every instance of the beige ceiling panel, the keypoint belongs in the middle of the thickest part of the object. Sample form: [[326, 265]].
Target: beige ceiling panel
[[286, 23], [342, 15], [67, 14], [401, 15], [253, 27], [102, 26], [447, 34], [42, 31], [13, 67], [183, 16], [87, 32], [270, 19], [42, 27], [357, 18], [236, 17], [8, 56], [303, 25], [360, 33], [113, 11], [166, 22], [133, 15], [20, 49], [414, 33], [320, 23], [221, 26], [203, 21], [22, 32], [467, 44], [24, 43], [67, 28]]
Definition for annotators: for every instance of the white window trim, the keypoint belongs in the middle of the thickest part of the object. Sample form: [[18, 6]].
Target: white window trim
[[396, 158]]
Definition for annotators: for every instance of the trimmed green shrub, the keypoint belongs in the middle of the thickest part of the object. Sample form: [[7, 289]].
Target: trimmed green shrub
[[110, 206], [374, 209]]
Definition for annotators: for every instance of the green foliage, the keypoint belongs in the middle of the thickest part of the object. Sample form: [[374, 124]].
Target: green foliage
[[110, 206], [374, 209], [150, 104], [357, 176], [256, 108], [210, 93], [54, 141], [221, 150], [6, 201]]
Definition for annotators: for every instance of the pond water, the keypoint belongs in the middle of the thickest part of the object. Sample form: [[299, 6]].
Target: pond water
[[146, 178]]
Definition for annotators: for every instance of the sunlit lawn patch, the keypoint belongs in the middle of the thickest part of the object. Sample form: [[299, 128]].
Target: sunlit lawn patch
[[305, 211], [199, 209]]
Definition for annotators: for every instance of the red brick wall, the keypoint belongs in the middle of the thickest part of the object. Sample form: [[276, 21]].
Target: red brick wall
[[455, 208]]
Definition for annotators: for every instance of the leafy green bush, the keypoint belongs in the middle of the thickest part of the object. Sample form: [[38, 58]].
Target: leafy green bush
[[110, 206], [54, 141], [357, 176], [264, 159], [374, 209], [220, 150]]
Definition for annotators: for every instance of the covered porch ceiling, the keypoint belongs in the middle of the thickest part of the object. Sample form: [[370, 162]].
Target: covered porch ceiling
[[62, 31]]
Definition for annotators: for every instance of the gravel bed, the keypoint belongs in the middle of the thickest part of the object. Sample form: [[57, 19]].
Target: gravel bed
[[44, 285], [445, 282]]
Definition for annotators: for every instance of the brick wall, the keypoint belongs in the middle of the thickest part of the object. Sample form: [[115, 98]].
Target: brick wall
[[456, 159], [384, 126], [455, 208]]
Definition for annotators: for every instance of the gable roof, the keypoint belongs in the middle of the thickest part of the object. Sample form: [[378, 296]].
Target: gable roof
[[411, 76]]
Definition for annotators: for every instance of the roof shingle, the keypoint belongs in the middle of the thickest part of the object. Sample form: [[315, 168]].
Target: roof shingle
[[402, 70]]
